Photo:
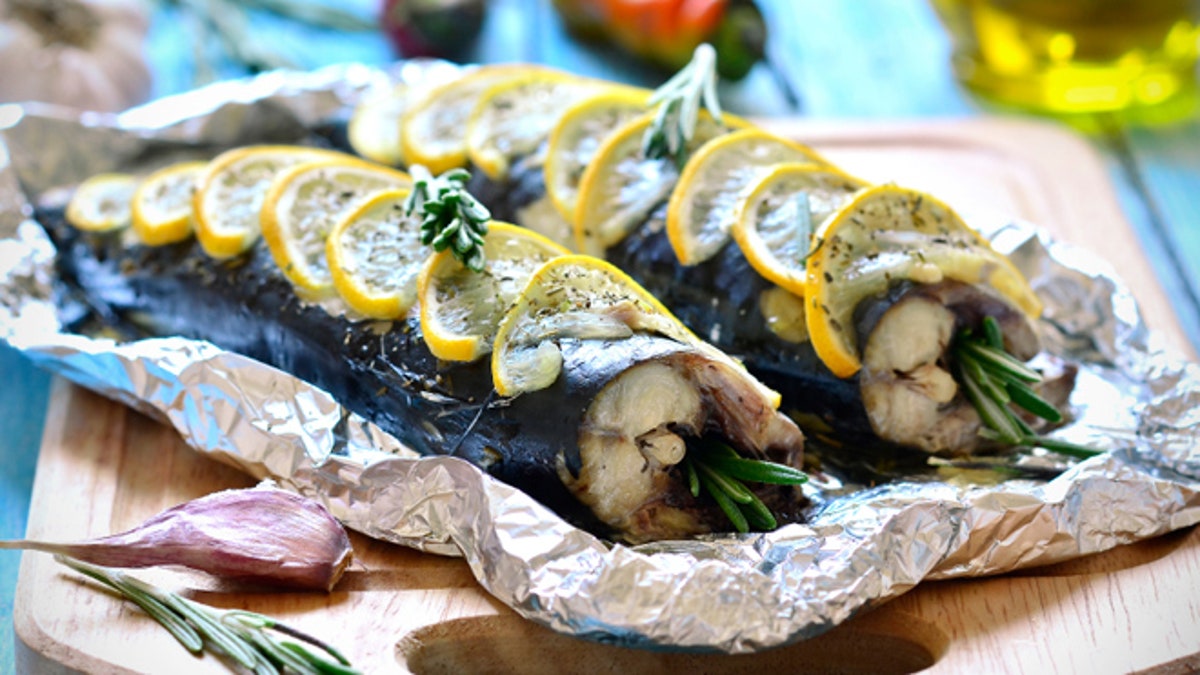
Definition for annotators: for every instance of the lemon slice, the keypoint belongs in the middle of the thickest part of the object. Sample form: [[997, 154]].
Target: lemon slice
[[229, 194], [713, 183], [375, 255], [577, 136], [103, 202], [888, 234], [621, 186], [572, 296], [433, 132], [512, 118], [461, 309], [773, 225], [374, 127], [161, 208], [303, 205]]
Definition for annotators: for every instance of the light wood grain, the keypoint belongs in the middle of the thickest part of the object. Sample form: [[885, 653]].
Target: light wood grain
[[103, 467]]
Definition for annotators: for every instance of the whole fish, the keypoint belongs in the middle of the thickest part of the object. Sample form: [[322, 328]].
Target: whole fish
[[601, 446]]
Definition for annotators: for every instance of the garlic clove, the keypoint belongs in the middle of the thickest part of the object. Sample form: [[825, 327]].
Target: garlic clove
[[262, 536]]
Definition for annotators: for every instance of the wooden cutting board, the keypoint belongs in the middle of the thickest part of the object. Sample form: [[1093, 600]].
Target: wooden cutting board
[[104, 468]]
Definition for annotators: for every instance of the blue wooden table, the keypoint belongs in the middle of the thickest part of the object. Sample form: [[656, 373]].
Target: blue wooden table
[[871, 59]]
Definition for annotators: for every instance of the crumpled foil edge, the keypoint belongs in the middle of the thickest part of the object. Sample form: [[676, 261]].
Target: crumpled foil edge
[[731, 594]]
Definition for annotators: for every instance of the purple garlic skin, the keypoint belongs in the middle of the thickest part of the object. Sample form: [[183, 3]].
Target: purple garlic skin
[[263, 536]]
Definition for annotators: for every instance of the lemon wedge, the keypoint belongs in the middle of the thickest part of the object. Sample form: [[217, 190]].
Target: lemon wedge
[[775, 222], [577, 136], [513, 117], [375, 255], [713, 183], [461, 309], [103, 202], [433, 132], [161, 209], [229, 194], [573, 296], [302, 206], [621, 186], [885, 235]]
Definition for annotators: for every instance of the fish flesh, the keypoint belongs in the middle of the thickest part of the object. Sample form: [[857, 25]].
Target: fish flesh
[[601, 446]]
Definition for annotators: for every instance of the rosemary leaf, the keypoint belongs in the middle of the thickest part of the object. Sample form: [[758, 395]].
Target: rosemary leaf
[[1028, 399], [804, 224], [693, 480], [974, 370], [992, 413], [992, 333], [1001, 362], [732, 512], [1023, 426], [679, 102], [1062, 447], [734, 489], [451, 218], [177, 627], [211, 629], [758, 515], [757, 471], [245, 637]]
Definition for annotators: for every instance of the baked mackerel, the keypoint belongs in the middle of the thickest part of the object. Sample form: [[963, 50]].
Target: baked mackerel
[[904, 398], [601, 446]]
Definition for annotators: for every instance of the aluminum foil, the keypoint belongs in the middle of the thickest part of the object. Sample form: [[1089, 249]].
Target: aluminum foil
[[728, 593]]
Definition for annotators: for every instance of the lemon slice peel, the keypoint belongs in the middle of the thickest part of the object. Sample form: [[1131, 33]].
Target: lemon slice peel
[[304, 203], [513, 117], [713, 183], [229, 194], [460, 309], [578, 134], [620, 186], [774, 223], [102, 203], [161, 208], [433, 131], [375, 256]]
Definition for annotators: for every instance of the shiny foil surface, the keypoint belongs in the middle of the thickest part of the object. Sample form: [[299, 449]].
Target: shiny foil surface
[[724, 593]]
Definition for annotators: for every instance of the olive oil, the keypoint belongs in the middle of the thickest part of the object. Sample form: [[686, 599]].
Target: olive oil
[[1076, 56]]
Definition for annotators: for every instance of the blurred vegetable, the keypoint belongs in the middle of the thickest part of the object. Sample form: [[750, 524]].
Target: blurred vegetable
[[82, 53], [227, 25], [667, 32], [437, 28]]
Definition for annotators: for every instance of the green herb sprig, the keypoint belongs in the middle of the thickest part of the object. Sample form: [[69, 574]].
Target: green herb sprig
[[679, 101], [720, 472], [992, 379], [255, 642], [450, 216]]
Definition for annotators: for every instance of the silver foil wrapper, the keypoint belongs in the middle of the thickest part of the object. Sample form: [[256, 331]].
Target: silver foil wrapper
[[725, 593]]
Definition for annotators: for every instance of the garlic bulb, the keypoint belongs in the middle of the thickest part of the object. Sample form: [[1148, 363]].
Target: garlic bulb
[[262, 536], [81, 53]]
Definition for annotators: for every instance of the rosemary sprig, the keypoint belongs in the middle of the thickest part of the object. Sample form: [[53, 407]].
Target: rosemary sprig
[[679, 101], [720, 472], [257, 643], [450, 216], [994, 381]]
